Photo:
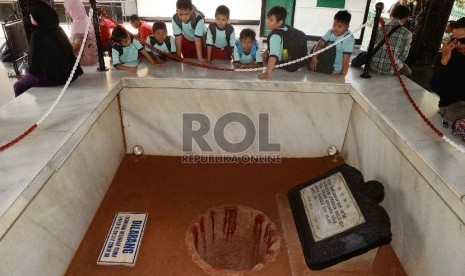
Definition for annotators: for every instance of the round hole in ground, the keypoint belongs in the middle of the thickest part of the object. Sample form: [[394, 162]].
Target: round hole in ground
[[232, 239]]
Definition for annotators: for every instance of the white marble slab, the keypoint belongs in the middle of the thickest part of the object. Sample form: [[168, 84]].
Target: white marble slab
[[303, 123], [427, 233], [46, 235]]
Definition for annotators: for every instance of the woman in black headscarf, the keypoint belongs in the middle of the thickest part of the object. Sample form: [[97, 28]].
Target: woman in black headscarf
[[51, 56]]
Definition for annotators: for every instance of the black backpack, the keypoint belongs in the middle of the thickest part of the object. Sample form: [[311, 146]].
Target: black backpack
[[118, 47], [295, 41], [228, 31], [167, 42]]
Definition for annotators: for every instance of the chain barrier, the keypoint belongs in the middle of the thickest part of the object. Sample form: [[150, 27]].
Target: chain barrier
[[57, 100], [407, 93]]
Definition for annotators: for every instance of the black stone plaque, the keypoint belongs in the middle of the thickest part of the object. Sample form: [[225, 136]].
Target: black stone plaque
[[338, 217]]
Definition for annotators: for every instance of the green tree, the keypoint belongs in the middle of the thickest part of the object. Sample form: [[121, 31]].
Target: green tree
[[460, 3]]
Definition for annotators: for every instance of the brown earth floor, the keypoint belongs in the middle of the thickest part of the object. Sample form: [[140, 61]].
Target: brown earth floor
[[175, 194]]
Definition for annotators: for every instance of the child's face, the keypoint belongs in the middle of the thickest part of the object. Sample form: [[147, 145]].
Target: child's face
[[339, 28], [184, 14], [272, 23], [135, 24], [125, 42], [160, 35], [221, 21], [247, 44]]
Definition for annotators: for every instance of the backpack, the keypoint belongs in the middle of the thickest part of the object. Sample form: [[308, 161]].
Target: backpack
[[228, 31], [167, 42], [194, 19], [458, 128], [295, 41], [118, 47], [253, 51]]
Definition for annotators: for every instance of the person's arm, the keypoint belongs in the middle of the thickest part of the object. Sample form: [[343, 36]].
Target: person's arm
[[178, 43], [345, 66], [405, 47], [198, 48], [126, 68], [209, 43], [314, 59], [272, 60], [148, 56], [438, 79], [199, 37]]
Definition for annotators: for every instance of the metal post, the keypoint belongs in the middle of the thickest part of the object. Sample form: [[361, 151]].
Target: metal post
[[379, 8], [101, 63]]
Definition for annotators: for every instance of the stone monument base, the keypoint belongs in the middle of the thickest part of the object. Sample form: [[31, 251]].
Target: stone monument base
[[297, 263]]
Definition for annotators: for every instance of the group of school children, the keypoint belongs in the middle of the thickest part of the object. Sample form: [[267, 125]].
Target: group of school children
[[192, 39]]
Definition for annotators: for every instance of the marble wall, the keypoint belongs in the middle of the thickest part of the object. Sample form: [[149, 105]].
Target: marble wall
[[45, 237], [304, 119], [427, 233]]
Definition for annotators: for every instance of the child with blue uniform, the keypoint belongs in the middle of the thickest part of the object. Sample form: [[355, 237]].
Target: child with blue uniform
[[126, 49], [189, 29], [221, 37], [344, 50], [274, 20], [161, 40], [246, 53]]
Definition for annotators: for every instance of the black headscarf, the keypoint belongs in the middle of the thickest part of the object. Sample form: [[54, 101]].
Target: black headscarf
[[50, 52]]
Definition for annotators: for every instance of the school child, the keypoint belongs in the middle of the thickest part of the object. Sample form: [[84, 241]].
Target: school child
[[221, 37], [339, 30], [126, 49], [189, 29], [246, 53], [106, 24], [161, 40], [143, 28], [274, 20]]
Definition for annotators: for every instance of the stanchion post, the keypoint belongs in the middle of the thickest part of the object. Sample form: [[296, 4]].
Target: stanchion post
[[101, 63], [379, 8]]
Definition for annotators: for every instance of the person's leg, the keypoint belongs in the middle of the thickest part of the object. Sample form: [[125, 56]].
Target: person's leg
[[24, 84], [405, 70], [453, 111], [219, 54], [188, 48], [31, 80]]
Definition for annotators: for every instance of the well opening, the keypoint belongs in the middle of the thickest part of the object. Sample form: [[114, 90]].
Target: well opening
[[232, 238]]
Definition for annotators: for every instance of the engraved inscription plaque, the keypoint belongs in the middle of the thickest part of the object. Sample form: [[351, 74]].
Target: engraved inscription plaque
[[338, 216], [330, 207]]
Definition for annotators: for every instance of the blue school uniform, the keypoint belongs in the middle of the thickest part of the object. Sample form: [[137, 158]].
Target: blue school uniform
[[220, 39], [247, 58], [275, 44], [163, 47], [344, 48], [187, 31], [129, 53]]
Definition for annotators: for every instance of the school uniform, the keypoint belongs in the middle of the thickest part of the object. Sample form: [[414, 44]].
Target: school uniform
[[221, 47], [189, 34], [161, 46], [247, 58], [275, 44], [344, 48], [130, 53]]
